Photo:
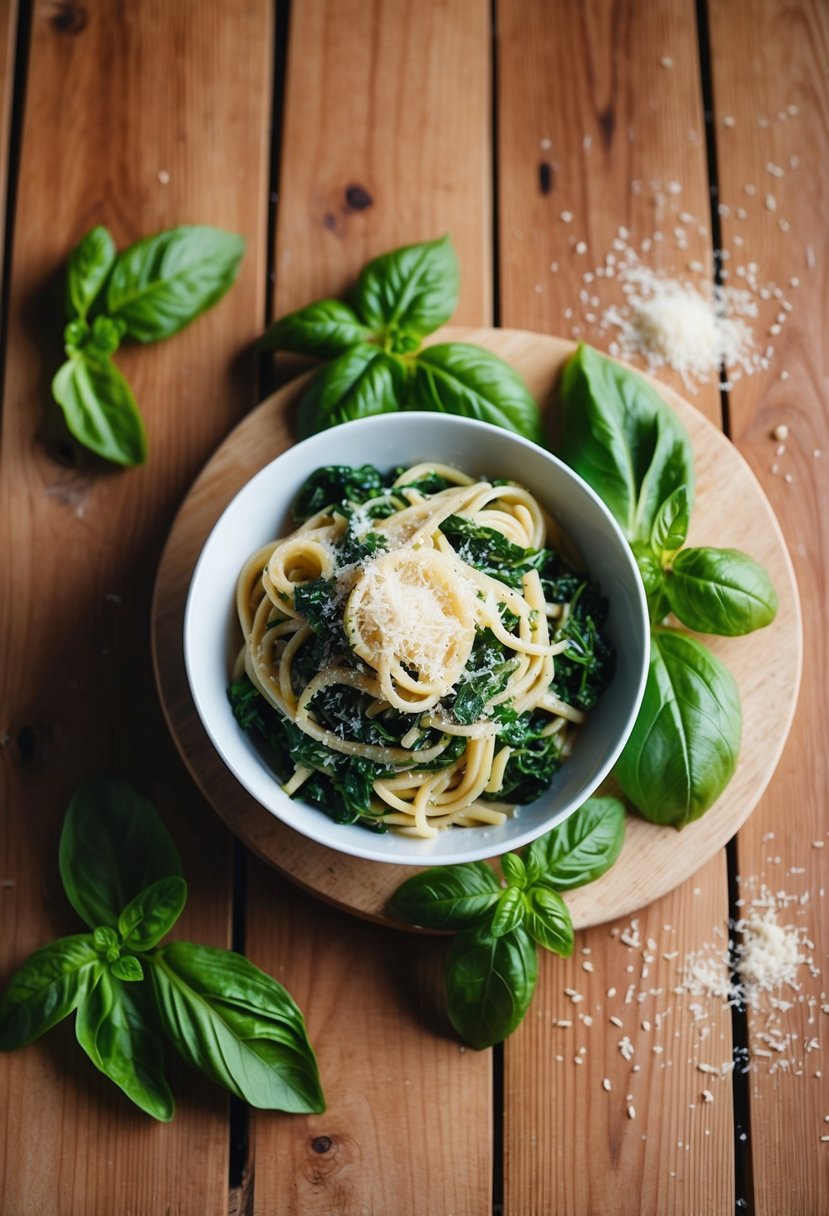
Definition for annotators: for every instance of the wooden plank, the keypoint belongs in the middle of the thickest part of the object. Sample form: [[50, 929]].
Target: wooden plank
[[574, 1145], [391, 98], [600, 148], [117, 129], [772, 111], [596, 135], [8, 39], [386, 141]]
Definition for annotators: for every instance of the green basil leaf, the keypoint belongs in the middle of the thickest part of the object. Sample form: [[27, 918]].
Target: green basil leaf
[[238, 1025], [582, 847], [113, 845], [75, 336], [116, 1028], [458, 378], [650, 569], [514, 870], [100, 409], [670, 527], [362, 382], [325, 329], [46, 989], [152, 913], [490, 982], [720, 591], [509, 912], [127, 967], [622, 438], [410, 291], [683, 749], [548, 921], [105, 336], [447, 897], [89, 264], [162, 283], [106, 941]]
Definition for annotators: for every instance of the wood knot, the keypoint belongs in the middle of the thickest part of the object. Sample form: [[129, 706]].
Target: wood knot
[[607, 123], [357, 198], [30, 747], [322, 1144], [545, 177], [69, 18]]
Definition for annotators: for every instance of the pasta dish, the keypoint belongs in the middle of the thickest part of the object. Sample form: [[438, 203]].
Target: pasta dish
[[420, 651]]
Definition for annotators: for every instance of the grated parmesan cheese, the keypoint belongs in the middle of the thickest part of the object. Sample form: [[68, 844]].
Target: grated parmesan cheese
[[673, 324]]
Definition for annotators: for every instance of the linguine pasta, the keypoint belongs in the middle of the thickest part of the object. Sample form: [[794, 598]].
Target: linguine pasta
[[401, 646]]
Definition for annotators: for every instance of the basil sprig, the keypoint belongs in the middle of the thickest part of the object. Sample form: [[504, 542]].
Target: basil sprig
[[621, 437], [146, 292], [491, 967], [377, 363], [122, 875]]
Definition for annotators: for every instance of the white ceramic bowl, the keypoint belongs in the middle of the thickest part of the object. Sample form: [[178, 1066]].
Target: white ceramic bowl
[[260, 512]]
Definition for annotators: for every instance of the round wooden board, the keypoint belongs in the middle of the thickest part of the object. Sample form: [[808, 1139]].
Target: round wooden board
[[731, 510]]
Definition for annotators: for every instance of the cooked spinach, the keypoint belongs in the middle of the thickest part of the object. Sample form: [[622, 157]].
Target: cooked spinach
[[486, 674], [584, 669], [334, 485]]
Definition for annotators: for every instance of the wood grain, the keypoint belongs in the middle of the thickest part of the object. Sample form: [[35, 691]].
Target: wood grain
[[587, 93], [369, 162], [8, 36], [652, 862], [776, 98], [370, 159], [117, 129]]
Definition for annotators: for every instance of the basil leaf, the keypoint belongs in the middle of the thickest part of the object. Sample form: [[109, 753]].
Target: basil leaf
[[127, 967], [46, 989], [152, 913], [115, 1027], [105, 336], [670, 527], [162, 283], [720, 591], [100, 409], [582, 847], [683, 749], [548, 921], [325, 329], [106, 941], [490, 982], [237, 1025], [410, 291], [622, 438], [458, 378], [509, 912], [113, 845], [447, 897], [89, 264], [362, 382], [514, 870]]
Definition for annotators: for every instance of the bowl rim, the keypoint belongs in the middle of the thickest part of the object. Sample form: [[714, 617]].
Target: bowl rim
[[354, 839]]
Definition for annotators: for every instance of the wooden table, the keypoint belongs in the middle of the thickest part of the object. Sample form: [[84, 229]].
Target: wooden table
[[327, 133]]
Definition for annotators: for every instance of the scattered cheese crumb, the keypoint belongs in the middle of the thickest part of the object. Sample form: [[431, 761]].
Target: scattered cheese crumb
[[606, 1084]]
